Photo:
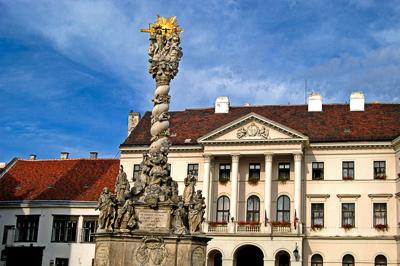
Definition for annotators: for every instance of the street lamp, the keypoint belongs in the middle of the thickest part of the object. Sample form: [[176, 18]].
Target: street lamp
[[296, 253]]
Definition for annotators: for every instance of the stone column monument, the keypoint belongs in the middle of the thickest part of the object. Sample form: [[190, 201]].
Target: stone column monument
[[150, 224]]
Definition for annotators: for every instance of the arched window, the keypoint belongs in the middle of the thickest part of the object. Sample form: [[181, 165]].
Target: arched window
[[223, 209], [380, 260], [316, 260], [253, 209], [348, 260], [283, 209]]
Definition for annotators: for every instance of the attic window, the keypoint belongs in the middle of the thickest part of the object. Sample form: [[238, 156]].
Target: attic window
[[86, 186], [188, 140], [173, 135], [347, 130], [51, 186]]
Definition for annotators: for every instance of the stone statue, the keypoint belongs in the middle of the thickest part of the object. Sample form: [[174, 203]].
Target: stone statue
[[121, 185], [196, 212], [188, 193], [179, 220], [241, 133], [107, 205], [174, 192], [126, 216]]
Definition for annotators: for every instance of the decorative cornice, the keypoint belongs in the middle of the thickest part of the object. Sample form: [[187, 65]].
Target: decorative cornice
[[343, 196], [252, 141], [253, 117], [351, 145], [380, 195], [318, 196], [397, 195], [396, 143]]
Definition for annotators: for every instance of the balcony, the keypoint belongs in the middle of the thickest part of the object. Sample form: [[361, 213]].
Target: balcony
[[272, 228]]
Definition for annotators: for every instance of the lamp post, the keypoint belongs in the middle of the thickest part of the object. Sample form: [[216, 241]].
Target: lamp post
[[296, 253]]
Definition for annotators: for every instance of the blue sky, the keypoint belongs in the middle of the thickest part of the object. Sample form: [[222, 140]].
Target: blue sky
[[70, 71]]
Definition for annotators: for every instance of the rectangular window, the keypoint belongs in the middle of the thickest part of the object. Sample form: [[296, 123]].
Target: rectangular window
[[62, 262], [348, 170], [348, 214], [27, 228], [284, 171], [193, 169], [317, 171], [89, 228], [254, 171], [7, 233], [380, 214], [136, 171], [224, 172], [379, 169], [64, 228], [317, 214]]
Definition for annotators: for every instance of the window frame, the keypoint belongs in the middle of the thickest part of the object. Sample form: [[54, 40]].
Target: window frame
[[136, 171], [91, 230], [349, 256], [224, 173], [284, 210], [253, 215], [225, 211], [379, 171], [346, 167], [375, 212], [318, 257], [254, 171], [67, 219], [316, 214], [29, 232], [195, 168], [380, 256], [284, 171], [317, 169], [353, 212]]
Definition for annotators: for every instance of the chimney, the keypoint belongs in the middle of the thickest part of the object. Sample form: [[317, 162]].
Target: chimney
[[222, 105], [133, 121], [32, 157], [93, 154], [315, 102], [357, 101], [64, 155]]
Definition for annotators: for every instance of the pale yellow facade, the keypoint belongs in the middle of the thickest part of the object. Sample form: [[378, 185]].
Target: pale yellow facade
[[284, 145]]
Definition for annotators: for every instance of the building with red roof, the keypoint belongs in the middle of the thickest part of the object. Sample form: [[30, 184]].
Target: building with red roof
[[47, 209]]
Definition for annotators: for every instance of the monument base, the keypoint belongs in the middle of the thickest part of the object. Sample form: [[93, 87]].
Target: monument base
[[123, 249]]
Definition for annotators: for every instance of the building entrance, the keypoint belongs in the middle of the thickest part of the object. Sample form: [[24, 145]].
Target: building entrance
[[282, 259], [17, 256], [249, 255]]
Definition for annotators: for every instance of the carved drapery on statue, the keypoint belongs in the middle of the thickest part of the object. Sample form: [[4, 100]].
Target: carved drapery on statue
[[155, 189]]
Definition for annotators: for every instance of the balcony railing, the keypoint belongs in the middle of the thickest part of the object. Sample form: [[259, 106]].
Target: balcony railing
[[281, 227], [216, 227], [251, 228]]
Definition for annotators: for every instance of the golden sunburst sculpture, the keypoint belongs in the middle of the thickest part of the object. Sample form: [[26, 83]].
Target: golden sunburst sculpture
[[167, 26]]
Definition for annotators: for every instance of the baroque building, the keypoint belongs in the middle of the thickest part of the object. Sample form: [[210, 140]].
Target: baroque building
[[47, 209], [314, 184]]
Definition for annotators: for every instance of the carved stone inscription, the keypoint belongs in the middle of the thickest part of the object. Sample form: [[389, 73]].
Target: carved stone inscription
[[198, 258], [150, 219], [101, 255]]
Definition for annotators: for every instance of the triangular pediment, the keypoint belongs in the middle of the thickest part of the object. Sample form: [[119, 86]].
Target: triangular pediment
[[252, 127]]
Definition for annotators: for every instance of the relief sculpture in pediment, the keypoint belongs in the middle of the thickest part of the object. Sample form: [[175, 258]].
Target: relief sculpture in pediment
[[253, 131]]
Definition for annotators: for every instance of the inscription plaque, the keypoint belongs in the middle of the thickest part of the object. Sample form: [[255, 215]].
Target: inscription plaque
[[101, 254], [198, 258], [150, 219]]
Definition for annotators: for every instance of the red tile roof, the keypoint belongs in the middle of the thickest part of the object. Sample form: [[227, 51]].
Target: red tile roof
[[379, 122], [69, 179]]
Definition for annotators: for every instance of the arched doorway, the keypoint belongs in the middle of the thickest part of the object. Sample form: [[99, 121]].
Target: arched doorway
[[214, 258], [282, 258], [249, 255]]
